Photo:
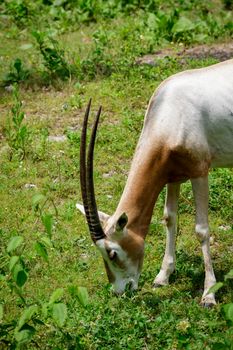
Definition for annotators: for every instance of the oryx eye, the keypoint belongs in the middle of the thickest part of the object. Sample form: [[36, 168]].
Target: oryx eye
[[112, 255]]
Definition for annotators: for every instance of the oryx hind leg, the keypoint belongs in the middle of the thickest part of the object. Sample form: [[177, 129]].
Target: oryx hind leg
[[170, 219], [201, 194]]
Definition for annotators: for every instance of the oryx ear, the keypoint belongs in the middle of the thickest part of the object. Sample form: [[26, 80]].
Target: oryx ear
[[122, 222], [102, 216], [118, 233]]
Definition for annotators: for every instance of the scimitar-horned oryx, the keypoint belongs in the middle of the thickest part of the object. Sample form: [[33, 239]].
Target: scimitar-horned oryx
[[188, 129]]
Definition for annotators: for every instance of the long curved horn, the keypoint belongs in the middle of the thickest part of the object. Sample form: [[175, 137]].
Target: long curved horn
[[86, 178]]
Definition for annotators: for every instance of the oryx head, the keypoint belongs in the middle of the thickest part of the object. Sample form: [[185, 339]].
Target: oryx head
[[121, 249]]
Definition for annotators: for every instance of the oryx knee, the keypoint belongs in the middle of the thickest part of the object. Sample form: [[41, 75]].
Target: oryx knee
[[202, 232], [169, 219]]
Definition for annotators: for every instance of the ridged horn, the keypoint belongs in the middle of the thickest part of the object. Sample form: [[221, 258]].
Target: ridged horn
[[86, 178]]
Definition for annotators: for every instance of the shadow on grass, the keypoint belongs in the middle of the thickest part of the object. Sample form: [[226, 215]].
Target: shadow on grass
[[187, 282]]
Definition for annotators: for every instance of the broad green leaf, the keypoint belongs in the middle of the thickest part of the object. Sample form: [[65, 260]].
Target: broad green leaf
[[228, 310], [58, 2], [215, 287], [82, 294], [41, 250], [38, 321], [229, 275], [56, 296], [1, 312], [152, 21], [46, 241], [200, 37], [59, 313], [47, 220], [183, 24], [20, 275], [13, 261], [23, 132], [21, 278], [25, 335], [27, 315], [18, 64], [19, 121], [38, 198], [2, 277], [14, 243]]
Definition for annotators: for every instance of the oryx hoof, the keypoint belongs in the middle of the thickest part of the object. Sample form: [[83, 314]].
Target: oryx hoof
[[208, 301], [157, 284]]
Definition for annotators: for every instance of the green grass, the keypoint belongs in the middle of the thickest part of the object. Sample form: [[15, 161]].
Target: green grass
[[167, 318]]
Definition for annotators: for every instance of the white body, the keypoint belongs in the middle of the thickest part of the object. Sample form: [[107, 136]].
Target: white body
[[188, 129], [195, 109]]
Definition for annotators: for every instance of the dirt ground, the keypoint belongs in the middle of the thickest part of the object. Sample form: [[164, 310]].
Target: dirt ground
[[221, 52]]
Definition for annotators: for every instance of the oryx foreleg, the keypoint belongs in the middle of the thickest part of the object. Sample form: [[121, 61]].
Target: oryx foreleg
[[201, 193], [170, 218]]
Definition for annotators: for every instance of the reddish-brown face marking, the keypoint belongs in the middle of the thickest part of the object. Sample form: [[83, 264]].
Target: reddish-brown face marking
[[123, 260], [133, 245]]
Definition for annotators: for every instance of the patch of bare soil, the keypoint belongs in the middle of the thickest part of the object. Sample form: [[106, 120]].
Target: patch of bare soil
[[221, 52]]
